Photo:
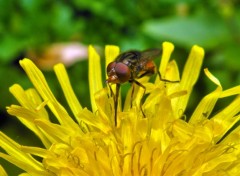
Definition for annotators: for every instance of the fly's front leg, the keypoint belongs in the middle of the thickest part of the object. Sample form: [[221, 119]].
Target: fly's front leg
[[115, 99], [116, 103], [111, 91], [132, 93]]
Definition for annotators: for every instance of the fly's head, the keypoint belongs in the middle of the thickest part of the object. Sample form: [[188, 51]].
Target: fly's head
[[118, 73]]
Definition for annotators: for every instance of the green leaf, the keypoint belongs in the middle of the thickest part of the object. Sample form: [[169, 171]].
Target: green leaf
[[187, 31]]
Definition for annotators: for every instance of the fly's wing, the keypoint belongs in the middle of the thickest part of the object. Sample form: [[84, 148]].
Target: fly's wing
[[145, 65], [150, 54], [134, 56], [146, 56]]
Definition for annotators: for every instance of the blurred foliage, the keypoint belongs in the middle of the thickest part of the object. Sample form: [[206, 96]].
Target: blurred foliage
[[34, 24]]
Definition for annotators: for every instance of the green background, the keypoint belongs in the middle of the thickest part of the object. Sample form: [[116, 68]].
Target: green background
[[131, 24]]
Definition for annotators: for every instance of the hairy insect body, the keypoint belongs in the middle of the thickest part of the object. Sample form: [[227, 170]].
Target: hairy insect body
[[139, 63], [128, 67]]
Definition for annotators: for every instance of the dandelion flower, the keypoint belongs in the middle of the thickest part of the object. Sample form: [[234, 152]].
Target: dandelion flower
[[162, 143]]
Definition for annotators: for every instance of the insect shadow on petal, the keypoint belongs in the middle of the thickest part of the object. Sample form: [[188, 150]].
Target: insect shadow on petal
[[129, 66]]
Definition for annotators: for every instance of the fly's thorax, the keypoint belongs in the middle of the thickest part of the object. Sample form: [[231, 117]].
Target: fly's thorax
[[131, 58]]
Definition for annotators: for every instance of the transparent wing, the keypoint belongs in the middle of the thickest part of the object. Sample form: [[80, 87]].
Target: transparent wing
[[150, 54]]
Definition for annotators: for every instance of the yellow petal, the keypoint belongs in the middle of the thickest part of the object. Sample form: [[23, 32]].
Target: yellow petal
[[40, 83], [89, 118], [19, 158], [67, 90], [94, 75], [104, 106], [232, 137], [229, 92], [28, 117], [167, 49], [207, 104], [55, 132], [190, 75], [2, 171], [111, 52], [29, 99], [36, 151], [224, 120], [172, 72]]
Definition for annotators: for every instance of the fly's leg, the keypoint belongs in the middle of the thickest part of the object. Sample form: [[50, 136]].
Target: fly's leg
[[132, 95], [116, 103], [111, 91], [166, 80], [115, 99], [139, 84]]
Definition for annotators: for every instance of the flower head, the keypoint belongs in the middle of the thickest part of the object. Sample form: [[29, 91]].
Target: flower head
[[162, 143]]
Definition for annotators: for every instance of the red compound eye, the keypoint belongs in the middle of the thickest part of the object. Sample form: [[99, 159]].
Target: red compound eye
[[123, 72]]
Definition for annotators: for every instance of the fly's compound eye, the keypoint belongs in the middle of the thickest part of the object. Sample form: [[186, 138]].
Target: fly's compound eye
[[123, 72], [110, 67]]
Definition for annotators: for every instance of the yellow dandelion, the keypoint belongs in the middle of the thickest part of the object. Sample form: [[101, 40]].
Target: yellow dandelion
[[163, 143]]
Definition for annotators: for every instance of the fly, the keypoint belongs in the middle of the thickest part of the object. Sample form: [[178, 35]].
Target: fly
[[129, 66]]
